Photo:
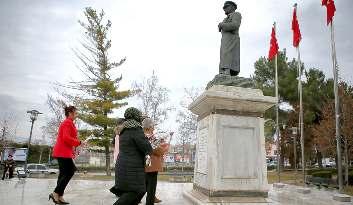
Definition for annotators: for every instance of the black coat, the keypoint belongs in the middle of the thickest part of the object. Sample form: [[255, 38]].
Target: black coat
[[133, 147]]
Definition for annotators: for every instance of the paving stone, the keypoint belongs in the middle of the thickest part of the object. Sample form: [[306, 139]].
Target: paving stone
[[278, 185], [88, 192], [303, 190]]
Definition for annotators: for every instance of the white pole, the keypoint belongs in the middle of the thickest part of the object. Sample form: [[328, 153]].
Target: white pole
[[295, 155], [337, 115], [301, 116], [277, 118]]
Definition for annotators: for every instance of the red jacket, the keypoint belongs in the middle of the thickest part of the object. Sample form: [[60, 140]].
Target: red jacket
[[67, 140]]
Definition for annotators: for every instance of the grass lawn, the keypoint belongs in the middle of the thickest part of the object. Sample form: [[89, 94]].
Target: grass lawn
[[287, 177], [348, 190]]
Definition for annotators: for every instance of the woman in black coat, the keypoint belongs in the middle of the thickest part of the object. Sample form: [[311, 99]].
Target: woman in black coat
[[133, 147]]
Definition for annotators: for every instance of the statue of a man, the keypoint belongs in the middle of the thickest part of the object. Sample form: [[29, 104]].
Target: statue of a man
[[230, 45]]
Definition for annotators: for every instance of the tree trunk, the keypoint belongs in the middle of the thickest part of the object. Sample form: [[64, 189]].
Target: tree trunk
[[291, 160], [49, 160], [319, 158], [40, 155], [107, 160], [346, 161], [182, 163], [281, 158]]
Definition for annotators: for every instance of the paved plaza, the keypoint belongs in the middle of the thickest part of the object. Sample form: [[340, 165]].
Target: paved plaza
[[79, 192], [85, 192]]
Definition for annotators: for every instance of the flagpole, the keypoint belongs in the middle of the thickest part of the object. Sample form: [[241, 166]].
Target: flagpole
[[301, 116], [277, 117], [337, 114]]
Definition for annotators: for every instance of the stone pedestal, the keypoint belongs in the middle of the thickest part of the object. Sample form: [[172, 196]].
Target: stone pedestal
[[230, 163]]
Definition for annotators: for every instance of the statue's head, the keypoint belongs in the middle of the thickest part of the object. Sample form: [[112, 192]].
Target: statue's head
[[229, 7]]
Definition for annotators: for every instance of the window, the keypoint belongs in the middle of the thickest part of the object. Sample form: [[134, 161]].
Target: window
[[41, 167], [31, 167]]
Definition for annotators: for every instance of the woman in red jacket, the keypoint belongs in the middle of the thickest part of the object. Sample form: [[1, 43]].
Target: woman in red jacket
[[63, 151]]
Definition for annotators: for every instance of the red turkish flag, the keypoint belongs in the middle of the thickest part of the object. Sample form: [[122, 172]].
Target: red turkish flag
[[273, 45], [331, 9], [296, 30]]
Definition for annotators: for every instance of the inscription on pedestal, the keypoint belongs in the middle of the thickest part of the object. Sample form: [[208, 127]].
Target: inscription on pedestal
[[202, 151], [239, 153]]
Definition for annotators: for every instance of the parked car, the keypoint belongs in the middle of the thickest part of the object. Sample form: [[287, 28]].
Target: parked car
[[326, 165], [330, 164], [271, 163], [38, 169]]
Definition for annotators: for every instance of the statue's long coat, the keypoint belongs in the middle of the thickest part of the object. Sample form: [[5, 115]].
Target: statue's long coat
[[230, 44]]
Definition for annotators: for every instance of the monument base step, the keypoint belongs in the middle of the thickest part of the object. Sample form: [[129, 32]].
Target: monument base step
[[342, 198], [198, 198]]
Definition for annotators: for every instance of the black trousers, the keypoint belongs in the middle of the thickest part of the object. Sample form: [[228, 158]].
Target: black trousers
[[151, 186], [10, 172], [67, 169], [130, 198]]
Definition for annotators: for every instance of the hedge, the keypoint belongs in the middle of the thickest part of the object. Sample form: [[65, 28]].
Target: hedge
[[350, 178], [322, 174]]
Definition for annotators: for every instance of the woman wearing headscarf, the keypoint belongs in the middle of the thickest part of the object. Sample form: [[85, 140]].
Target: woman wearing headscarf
[[115, 142], [133, 148]]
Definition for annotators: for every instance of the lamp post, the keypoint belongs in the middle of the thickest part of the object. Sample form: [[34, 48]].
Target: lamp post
[[33, 116]]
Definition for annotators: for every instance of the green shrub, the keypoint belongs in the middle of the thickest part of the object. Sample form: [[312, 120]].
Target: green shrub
[[322, 174], [271, 167], [311, 171], [350, 177]]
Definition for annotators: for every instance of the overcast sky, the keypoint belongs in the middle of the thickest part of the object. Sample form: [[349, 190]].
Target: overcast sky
[[177, 39]]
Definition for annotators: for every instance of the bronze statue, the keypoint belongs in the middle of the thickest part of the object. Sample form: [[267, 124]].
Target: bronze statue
[[230, 45]]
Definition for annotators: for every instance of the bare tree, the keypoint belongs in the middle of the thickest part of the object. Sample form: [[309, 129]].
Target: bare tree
[[50, 130], [187, 120], [56, 107], [153, 98], [8, 127], [42, 142]]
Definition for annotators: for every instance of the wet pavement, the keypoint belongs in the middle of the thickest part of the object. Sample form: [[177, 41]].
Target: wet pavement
[[79, 192], [86, 192]]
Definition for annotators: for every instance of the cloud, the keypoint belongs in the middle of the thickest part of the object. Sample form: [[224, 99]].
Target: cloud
[[177, 39]]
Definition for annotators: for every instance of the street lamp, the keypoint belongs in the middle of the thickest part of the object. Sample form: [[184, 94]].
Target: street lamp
[[33, 116]]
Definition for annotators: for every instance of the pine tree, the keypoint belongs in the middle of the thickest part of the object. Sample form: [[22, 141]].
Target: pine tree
[[98, 94]]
